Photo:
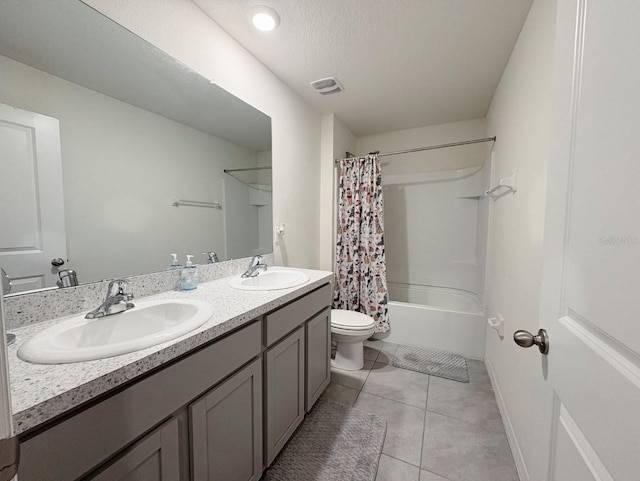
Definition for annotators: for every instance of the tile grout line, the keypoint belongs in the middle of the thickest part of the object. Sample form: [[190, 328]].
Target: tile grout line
[[360, 390], [449, 416], [389, 399], [401, 460], [426, 410], [424, 426]]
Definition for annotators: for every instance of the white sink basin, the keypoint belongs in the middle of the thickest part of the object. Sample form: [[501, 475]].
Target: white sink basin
[[271, 279], [147, 324]]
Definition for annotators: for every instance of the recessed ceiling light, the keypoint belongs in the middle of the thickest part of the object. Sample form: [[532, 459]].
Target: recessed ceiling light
[[264, 18]]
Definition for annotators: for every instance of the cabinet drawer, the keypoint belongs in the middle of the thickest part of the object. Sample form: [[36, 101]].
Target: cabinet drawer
[[284, 320], [103, 429]]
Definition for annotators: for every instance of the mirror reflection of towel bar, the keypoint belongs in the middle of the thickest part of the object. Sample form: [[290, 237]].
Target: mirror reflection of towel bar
[[196, 203]]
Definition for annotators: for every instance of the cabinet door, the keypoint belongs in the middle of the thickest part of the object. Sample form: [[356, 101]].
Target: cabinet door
[[318, 356], [285, 391], [226, 429], [155, 458]]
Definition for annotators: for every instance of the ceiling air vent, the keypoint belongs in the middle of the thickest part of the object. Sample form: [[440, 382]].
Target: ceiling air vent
[[325, 86]]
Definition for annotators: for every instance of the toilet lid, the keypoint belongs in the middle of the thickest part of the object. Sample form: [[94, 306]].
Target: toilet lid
[[350, 319]]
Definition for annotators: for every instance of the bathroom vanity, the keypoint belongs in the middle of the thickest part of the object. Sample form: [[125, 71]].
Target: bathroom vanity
[[219, 403]]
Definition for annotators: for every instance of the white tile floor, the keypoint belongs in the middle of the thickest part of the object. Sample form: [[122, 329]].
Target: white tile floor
[[437, 429]]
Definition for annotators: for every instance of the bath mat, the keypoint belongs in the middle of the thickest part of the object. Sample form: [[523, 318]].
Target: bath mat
[[334, 443], [430, 361]]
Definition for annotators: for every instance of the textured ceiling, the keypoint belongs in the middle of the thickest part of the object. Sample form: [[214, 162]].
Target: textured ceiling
[[403, 63]]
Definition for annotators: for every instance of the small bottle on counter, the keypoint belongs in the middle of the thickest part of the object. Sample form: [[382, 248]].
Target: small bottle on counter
[[188, 276]]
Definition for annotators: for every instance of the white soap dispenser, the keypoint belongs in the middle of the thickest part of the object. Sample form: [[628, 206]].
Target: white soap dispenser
[[189, 276], [175, 264]]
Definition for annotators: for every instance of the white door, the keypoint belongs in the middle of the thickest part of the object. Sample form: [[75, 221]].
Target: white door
[[591, 283], [32, 229]]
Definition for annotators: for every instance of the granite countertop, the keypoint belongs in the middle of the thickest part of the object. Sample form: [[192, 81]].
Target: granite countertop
[[40, 392]]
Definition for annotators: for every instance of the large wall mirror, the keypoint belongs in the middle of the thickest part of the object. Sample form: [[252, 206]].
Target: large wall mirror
[[113, 155]]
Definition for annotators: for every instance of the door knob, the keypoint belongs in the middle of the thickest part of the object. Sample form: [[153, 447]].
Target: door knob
[[57, 261], [526, 339]]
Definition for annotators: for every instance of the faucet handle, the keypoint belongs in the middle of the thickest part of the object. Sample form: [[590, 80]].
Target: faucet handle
[[212, 257], [118, 287], [257, 260]]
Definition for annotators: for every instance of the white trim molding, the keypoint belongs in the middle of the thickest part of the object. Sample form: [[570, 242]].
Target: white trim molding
[[518, 458]]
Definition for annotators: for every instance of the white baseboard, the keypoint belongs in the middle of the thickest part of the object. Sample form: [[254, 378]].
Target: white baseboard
[[521, 467]]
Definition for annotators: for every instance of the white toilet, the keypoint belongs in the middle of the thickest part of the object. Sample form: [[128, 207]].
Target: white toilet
[[350, 329]]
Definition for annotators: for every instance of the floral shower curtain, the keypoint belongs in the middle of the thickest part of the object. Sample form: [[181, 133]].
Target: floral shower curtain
[[361, 283]]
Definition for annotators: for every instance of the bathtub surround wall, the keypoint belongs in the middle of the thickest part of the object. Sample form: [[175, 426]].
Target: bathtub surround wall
[[520, 116], [432, 226], [121, 169], [182, 30]]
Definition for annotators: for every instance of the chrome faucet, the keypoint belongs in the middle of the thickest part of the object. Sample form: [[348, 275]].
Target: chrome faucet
[[68, 278], [257, 264], [212, 257], [117, 300]]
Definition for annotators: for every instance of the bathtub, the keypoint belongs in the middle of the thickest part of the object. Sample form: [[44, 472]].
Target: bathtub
[[437, 317]]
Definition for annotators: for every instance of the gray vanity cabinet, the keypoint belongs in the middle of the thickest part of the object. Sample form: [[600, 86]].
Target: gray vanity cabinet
[[297, 356], [226, 429], [284, 370], [318, 359], [154, 458], [221, 412]]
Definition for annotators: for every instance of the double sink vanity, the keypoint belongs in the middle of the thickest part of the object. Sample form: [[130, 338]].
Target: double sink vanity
[[121, 400]]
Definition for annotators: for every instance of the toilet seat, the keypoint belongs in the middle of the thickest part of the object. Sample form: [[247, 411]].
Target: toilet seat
[[350, 320]]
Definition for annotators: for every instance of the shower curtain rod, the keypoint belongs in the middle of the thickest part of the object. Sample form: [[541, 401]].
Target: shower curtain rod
[[226, 171], [431, 147]]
